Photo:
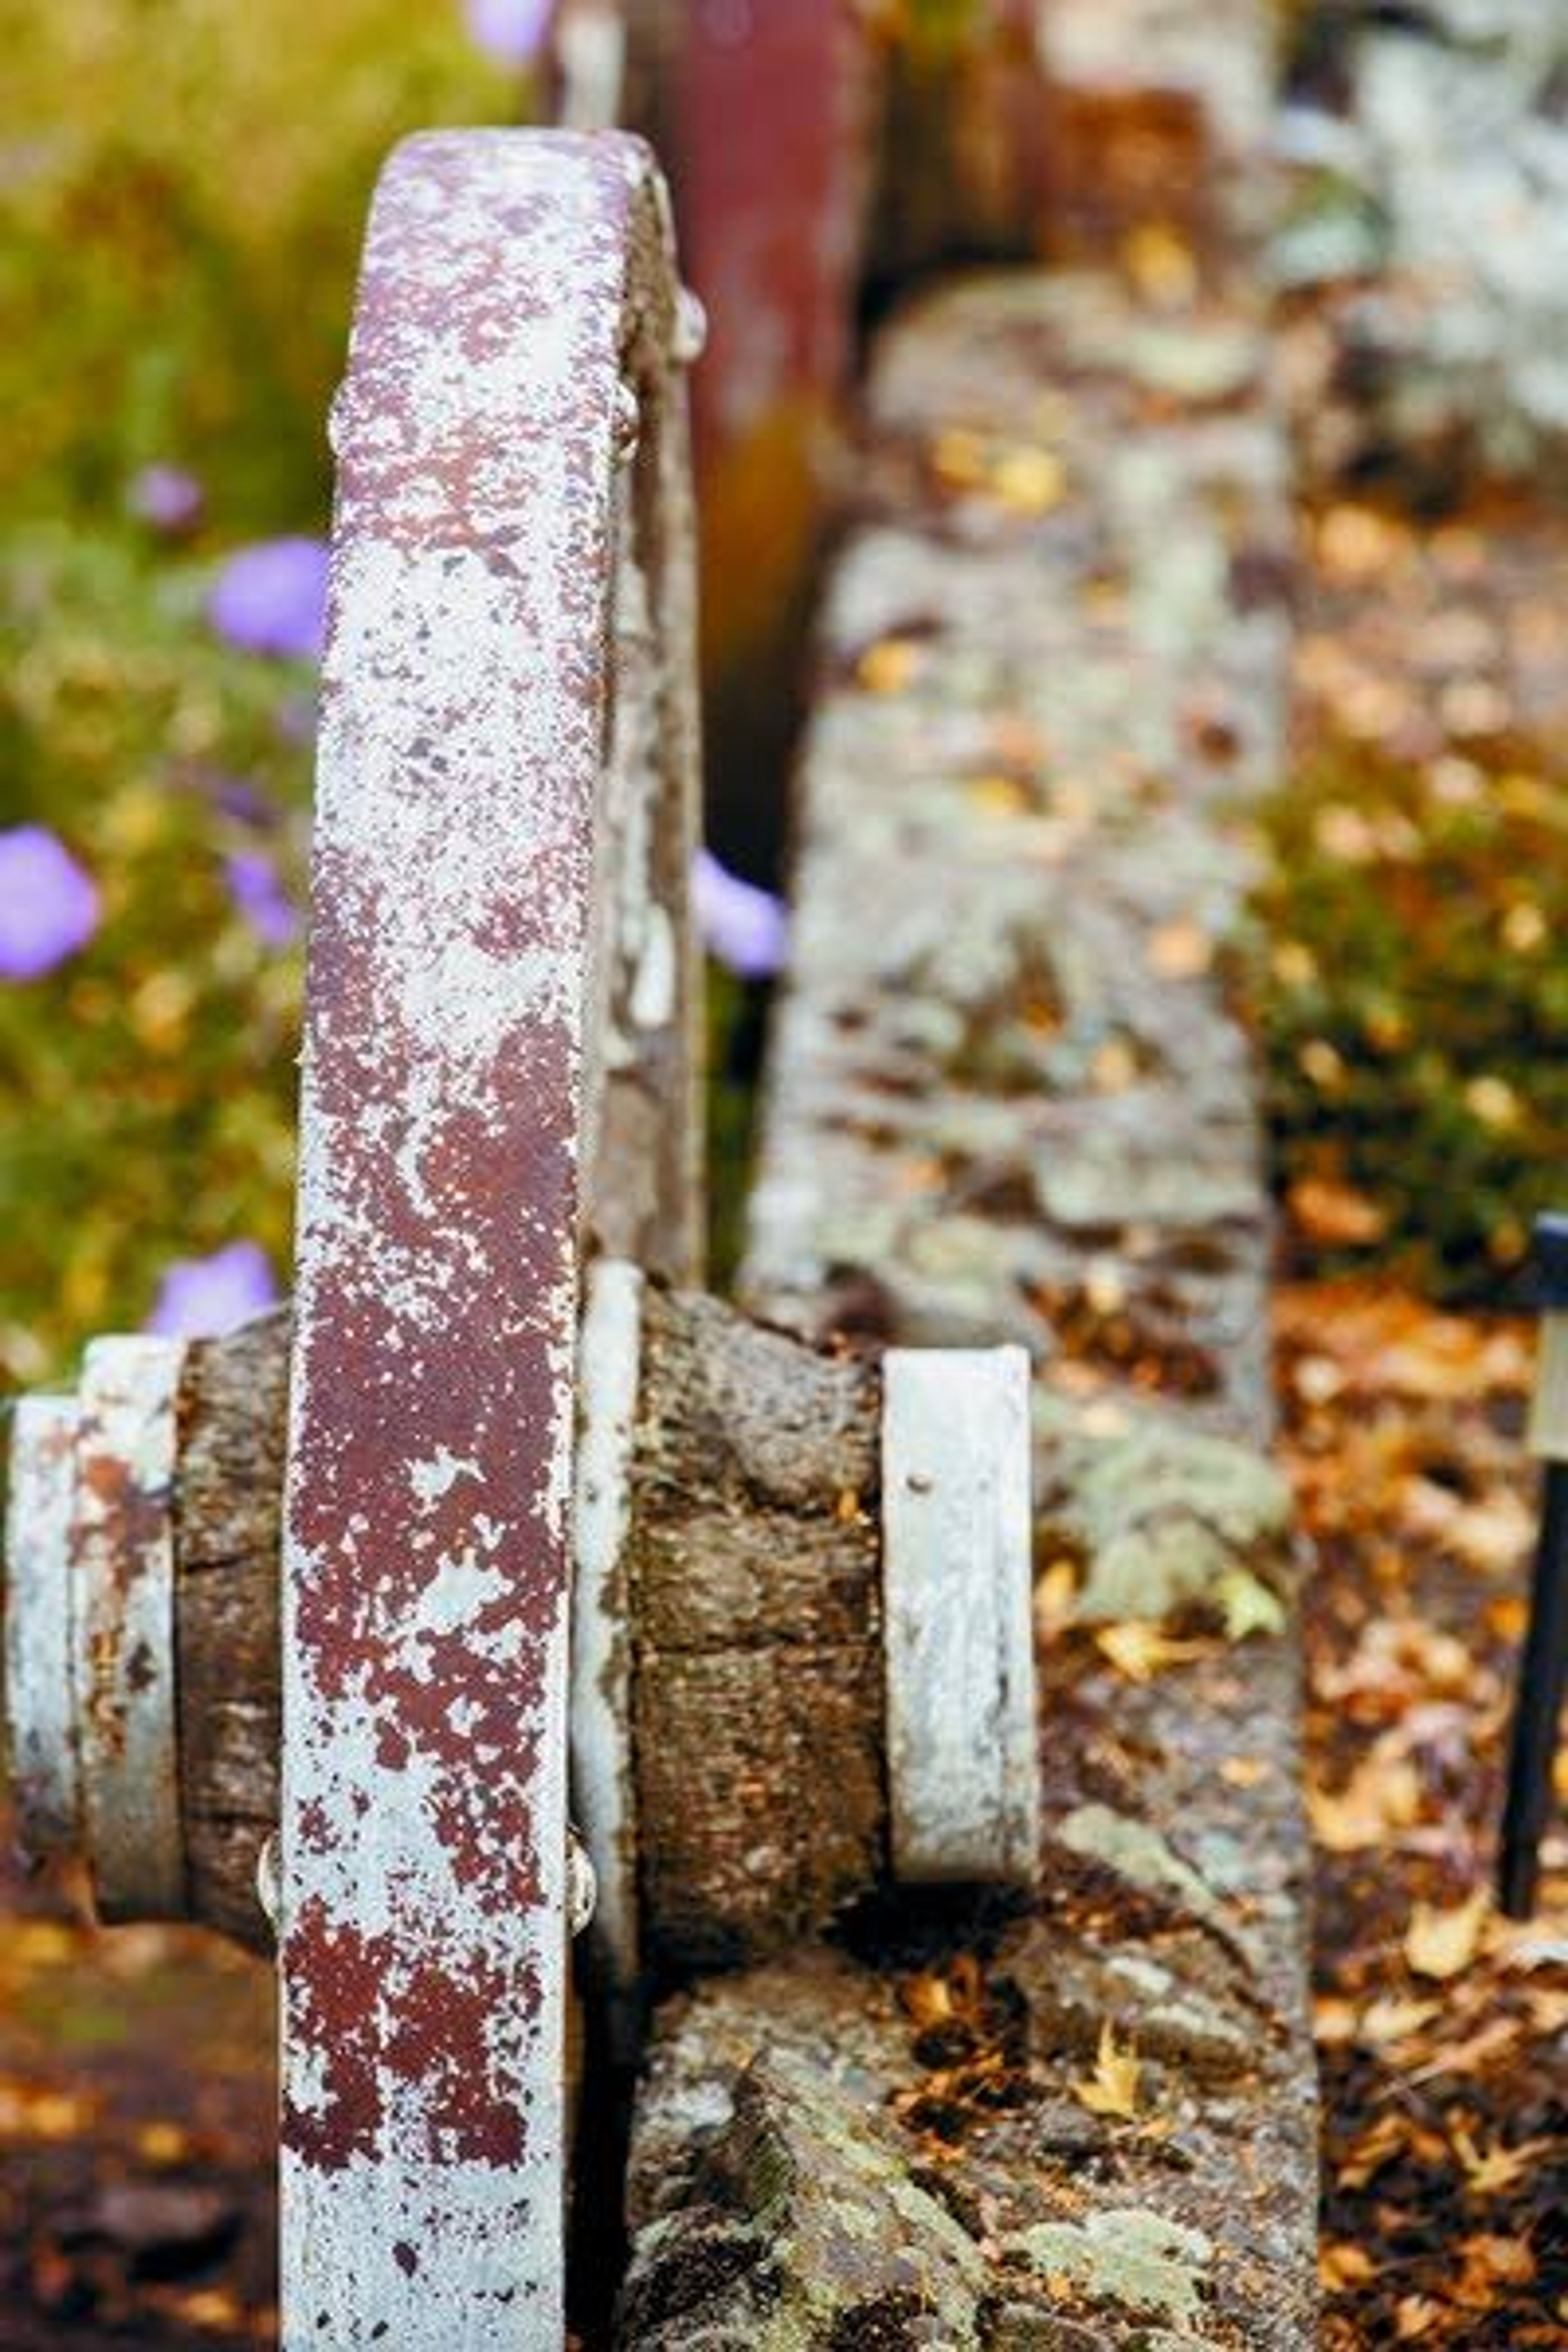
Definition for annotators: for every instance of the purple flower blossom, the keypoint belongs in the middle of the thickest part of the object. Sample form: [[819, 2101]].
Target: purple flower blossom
[[239, 797], [271, 598], [510, 31], [167, 497], [256, 889], [745, 928], [202, 1297], [48, 904]]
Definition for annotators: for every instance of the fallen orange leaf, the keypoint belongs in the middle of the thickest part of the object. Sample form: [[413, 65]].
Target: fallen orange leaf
[[1395, 2020], [1028, 481], [1492, 2171], [1490, 2262], [1113, 2088], [1380, 1796], [886, 667], [1342, 2265], [1054, 1596], [1140, 1649], [1442, 1944], [1335, 1214]]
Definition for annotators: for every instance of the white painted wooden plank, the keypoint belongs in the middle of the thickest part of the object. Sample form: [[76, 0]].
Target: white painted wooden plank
[[958, 1636]]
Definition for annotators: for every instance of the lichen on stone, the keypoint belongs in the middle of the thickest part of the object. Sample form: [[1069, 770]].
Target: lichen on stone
[[1127, 2257], [1166, 1517]]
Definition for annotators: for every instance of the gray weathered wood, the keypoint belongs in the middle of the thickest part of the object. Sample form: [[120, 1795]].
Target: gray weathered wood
[[122, 1626], [956, 1581], [38, 1692]]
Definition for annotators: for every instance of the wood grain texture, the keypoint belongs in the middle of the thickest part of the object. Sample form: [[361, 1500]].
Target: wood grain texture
[[753, 1556], [227, 1513]]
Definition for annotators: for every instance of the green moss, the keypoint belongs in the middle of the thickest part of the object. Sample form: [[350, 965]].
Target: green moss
[[1165, 1519]]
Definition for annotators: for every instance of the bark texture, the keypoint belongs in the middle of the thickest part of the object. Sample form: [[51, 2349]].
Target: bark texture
[[227, 1520], [754, 1584], [754, 1559]]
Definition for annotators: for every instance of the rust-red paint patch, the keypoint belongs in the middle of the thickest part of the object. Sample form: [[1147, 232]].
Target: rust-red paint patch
[[444, 1125]]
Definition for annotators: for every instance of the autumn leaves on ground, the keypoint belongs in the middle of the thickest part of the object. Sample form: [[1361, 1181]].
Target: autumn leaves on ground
[[1441, 2027], [1410, 1002], [1409, 999]]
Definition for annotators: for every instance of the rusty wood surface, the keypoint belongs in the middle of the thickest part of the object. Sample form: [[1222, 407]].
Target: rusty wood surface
[[765, 117], [509, 354], [122, 1626], [39, 1685], [1008, 1100]]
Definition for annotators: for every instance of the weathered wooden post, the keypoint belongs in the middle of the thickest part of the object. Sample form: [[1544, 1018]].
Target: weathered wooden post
[[766, 116], [812, 150], [499, 1425]]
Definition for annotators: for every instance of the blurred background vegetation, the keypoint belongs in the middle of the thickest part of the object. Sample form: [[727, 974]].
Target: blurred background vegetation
[[185, 183]]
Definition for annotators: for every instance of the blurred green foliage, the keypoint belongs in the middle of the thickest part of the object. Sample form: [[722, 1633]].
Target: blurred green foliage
[[185, 185], [1412, 1000], [186, 182]]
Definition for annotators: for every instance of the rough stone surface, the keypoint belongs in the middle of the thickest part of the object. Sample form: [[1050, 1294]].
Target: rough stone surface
[[1008, 1100], [1127, 2257], [801, 2200]]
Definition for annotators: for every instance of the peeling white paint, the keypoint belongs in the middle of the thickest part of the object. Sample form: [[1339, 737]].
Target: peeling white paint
[[962, 1774], [38, 1711], [513, 282], [122, 1626], [604, 1788]]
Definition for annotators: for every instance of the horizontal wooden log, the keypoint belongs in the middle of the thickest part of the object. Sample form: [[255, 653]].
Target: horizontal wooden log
[[755, 1556], [752, 1577]]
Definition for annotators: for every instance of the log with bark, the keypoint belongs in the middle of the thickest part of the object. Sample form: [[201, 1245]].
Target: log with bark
[[751, 1662]]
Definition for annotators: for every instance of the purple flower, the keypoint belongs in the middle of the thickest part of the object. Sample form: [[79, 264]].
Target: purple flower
[[745, 928], [167, 497], [240, 798], [256, 889], [272, 598], [510, 31], [202, 1297], [48, 904]]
